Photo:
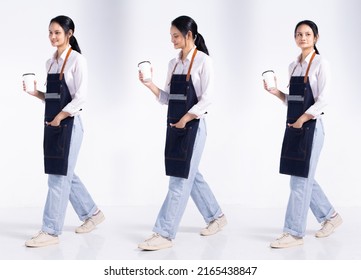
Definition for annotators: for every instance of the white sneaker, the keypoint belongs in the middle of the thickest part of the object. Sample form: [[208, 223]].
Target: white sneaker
[[91, 223], [155, 242], [42, 239], [329, 226], [286, 240], [214, 226]]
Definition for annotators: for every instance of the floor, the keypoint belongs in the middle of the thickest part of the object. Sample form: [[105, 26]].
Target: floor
[[246, 237]]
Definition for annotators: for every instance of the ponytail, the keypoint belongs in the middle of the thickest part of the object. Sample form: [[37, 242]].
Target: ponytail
[[316, 50], [200, 43], [74, 44]]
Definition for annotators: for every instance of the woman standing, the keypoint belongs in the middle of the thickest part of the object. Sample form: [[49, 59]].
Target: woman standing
[[187, 93], [64, 98], [303, 140]]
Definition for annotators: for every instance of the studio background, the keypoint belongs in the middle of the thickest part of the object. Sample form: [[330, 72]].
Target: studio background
[[121, 160]]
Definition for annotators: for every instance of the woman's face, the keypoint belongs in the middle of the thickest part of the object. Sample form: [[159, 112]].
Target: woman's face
[[305, 39], [177, 38], [57, 36]]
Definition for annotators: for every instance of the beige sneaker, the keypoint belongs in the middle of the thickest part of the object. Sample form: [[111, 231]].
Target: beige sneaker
[[91, 223], [286, 240], [42, 239], [214, 226], [329, 226], [155, 242]]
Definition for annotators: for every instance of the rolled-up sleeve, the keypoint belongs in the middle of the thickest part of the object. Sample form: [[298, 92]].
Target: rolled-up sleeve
[[80, 84], [322, 86], [206, 88]]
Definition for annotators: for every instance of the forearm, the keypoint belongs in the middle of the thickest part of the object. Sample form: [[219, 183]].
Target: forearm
[[301, 120], [280, 95], [153, 88], [39, 94], [185, 119], [305, 118]]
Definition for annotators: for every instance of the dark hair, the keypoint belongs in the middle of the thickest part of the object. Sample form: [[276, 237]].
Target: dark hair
[[314, 28], [67, 24], [185, 24]]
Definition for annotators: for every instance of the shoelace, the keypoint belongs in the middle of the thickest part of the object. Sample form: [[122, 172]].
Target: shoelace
[[40, 233], [284, 235], [85, 224], [155, 235]]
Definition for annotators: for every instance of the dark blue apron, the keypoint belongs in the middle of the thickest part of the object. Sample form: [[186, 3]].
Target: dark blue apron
[[57, 138], [297, 142], [180, 141]]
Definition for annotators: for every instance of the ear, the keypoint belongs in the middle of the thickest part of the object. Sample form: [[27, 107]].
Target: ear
[[316, 38], [189, 35], [70, 33]]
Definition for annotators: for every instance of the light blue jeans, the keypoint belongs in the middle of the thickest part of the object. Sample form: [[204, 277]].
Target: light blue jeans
[[180, 189], [306, 193], [65, 188]]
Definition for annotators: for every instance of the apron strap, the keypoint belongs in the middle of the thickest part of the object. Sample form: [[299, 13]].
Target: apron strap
[[190, 66], [62, 68], [308, 68]]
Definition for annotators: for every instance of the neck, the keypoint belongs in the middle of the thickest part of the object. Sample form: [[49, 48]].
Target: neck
[[305, 53], [186, 50], [61, 49]]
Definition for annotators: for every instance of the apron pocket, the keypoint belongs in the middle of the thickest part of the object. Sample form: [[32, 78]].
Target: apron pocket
[[52, 108], [295, 143], [177, 143], [54, 141]]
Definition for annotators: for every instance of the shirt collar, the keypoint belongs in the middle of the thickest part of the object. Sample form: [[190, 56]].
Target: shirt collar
[[63, 55], [189, 56], [307, 59]]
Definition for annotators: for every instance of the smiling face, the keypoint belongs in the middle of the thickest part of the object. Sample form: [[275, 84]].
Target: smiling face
[[57, 36], [305, 38]]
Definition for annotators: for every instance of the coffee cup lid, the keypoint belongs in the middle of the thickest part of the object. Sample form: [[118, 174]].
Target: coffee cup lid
[[145, 61], [28, 74], [268, 71]]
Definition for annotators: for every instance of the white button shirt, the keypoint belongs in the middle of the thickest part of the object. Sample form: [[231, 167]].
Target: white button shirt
[[319, 78], [76, 78], [202, 78]]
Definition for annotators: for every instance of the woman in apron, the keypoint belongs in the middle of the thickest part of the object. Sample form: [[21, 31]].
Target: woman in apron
[[303, 140], [66, 88], [187, 93]]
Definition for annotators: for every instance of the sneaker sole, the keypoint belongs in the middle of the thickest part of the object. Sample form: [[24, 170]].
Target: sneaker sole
[[288, 245], [154, 248], [42, 244]]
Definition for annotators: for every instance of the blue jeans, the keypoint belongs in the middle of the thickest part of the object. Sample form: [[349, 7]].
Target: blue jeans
[[180, 189], [306, 193], [65, 188]]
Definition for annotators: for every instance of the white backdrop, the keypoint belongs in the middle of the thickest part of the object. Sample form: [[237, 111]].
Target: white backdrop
[[121, 160]]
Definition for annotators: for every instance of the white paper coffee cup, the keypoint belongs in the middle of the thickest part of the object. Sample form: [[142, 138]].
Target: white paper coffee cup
[[145, 68], [269, 77], [29, 79]]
